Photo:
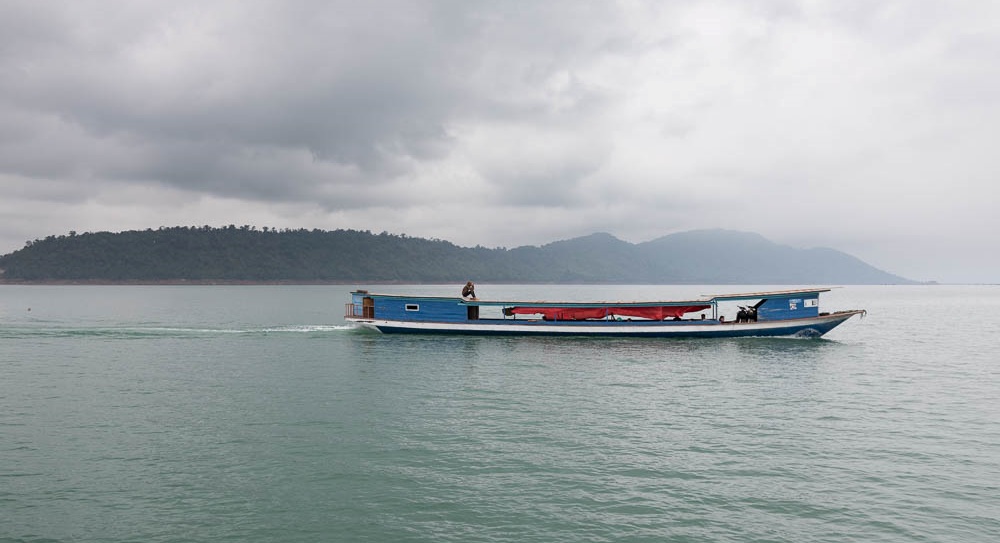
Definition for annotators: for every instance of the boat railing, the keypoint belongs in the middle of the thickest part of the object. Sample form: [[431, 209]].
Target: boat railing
[[352, 311]]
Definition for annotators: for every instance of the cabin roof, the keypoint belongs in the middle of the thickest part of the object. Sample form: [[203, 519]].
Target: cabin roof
[[705, 299], [768, 294]]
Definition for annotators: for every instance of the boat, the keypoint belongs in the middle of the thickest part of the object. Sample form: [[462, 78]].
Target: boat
[[765, 314]]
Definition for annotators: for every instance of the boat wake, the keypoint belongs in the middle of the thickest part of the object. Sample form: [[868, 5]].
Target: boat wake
[[140, 332], [309, 328]]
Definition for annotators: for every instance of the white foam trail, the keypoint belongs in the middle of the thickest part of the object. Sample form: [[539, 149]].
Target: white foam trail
[[294, 329], [309, 328]]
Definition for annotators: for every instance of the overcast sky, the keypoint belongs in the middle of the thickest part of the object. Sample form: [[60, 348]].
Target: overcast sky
[[868, 127]]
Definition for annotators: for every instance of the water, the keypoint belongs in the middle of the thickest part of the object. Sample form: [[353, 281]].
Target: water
[[184, 413]]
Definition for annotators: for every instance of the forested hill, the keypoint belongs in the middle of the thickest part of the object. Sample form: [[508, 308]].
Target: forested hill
[[248, 254]]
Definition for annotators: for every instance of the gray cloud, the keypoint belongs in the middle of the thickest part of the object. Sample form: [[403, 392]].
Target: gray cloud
[[865, 127]]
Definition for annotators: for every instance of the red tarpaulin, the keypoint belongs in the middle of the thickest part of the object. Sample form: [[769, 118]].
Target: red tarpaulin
[[581, 313]]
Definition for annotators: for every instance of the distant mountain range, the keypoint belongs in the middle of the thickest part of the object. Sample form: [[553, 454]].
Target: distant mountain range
[[236, 254]]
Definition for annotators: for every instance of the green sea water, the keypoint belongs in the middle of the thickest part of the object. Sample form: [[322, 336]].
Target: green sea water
[[254, 413]]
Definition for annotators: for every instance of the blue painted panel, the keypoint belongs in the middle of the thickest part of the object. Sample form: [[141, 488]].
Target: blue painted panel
[[795, 307], [420, 309]]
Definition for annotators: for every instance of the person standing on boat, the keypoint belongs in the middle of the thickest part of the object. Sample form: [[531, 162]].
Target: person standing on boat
[[469, 291]]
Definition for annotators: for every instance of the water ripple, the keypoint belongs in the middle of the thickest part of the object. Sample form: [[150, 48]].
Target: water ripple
[[228, 419]]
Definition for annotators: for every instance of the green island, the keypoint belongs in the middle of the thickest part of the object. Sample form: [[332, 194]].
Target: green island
[[247, 254]]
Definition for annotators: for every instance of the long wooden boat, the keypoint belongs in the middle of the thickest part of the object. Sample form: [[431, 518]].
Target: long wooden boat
[[775, 313]]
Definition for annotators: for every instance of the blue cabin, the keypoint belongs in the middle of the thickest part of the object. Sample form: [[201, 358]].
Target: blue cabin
[[781, 305], [410, 308]]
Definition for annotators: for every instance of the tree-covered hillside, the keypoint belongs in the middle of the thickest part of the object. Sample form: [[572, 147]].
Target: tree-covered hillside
[[245, 253], [248, 254]]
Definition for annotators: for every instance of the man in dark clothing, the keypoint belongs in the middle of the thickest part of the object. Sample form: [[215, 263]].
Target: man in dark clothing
[[469, 291]]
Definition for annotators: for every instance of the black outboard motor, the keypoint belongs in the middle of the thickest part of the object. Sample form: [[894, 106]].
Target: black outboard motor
[[747, 314]]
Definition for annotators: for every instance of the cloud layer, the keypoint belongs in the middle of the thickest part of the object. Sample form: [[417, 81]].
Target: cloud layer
[[863, 126]]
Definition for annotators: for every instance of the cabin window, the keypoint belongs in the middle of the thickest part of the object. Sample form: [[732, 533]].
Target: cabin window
[[412, 307]]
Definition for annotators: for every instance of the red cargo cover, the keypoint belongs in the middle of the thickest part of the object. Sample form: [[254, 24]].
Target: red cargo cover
[[582, 313]]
